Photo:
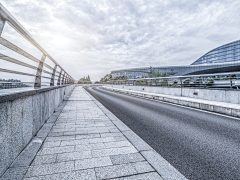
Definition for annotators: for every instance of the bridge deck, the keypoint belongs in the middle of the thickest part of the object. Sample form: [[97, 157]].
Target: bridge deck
[[87, 142]]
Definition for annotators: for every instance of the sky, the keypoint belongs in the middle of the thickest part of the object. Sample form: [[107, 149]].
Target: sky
[[94, 37]]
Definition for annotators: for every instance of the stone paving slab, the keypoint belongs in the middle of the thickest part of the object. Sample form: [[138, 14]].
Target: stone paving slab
[[88, 142]]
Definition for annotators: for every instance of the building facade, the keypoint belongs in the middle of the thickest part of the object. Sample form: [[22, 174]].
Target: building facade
[[223, 59], [9, 85]]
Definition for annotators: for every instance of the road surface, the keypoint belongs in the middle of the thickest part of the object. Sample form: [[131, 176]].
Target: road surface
[[199, 144]]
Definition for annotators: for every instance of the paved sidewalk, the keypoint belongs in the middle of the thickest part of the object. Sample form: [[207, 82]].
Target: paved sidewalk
[[85, 144]]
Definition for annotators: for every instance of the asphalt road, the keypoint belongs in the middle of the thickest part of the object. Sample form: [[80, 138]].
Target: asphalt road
[[200, 145]]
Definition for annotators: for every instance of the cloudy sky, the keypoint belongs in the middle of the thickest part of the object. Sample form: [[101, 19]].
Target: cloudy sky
[[96, 36]]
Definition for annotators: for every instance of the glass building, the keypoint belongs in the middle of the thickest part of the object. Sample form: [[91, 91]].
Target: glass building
[[223, 59]]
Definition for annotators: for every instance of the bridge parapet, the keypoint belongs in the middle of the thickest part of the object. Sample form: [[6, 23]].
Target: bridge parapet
[[23, 111]]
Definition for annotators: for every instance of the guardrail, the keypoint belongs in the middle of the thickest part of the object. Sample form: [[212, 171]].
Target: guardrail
[[61, 75], [219, 80]]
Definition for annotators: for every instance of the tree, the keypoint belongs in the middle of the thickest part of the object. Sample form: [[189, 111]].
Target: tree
[[85, 80], [209, 81], [186, 82], [175, 83], [198, 82], [140, 82]]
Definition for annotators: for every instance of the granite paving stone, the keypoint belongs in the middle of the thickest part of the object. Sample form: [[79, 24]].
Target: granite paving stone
[[54, 150], [115, 171], [45, 169], [93, 162], [73, 156], [82, 147], [88, 174], [126, 158], [51, 144], [45, 159], [98, 140], [117, 144], [113, 151]]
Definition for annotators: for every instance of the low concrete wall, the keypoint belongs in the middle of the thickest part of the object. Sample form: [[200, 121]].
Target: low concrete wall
[[214, 106], [22, 114], [221, 95]]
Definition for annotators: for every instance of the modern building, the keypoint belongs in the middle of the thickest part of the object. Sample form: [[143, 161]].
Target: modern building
[[223, 59]]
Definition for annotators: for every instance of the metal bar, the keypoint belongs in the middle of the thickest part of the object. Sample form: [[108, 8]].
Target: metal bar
[[39, 72], [59, 77], [15, 72], [53, 76], [169, 77], [2, 23], [18, 50], [47, 66], [9, 59], [63, 78], [47, 72]]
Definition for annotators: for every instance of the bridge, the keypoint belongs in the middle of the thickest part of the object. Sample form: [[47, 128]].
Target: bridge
[[124, 129]]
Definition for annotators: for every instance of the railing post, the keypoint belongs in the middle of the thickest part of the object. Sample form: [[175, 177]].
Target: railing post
[[66, 79], [53, 76], [181, 85], [145, 82], [230, 81], [63, 78], [59, 77], [2, 23], [39, 72]]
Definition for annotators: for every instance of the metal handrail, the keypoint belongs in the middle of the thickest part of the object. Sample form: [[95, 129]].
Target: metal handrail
[[228, 81], [6, 16]]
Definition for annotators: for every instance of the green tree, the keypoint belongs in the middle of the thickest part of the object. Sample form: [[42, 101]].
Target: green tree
[[186, 82], [209, 81], [175, 83], [140, 82], [198, 82], [225, 78]]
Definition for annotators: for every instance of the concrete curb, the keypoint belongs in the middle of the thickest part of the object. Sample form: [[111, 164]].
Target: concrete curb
[[163, 167], [213, 106]]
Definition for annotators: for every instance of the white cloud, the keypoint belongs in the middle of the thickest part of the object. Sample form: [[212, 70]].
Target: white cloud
[[96, 36]]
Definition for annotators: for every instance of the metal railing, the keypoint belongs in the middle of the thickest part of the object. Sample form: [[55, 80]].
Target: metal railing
[[61, 76], [217, 80]]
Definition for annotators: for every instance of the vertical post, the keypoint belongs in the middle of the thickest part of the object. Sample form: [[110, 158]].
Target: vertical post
[[59, 77], [2, 23], [230, 81], [67, 79], [181, 85], [145, 82], [63, 78], [39, 72], [53, 76]]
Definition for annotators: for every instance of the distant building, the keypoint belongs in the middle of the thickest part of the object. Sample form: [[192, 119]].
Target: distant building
[[223, 59], [9, 85]]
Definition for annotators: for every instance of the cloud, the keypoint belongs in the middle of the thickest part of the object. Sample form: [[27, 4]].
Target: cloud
[[94, 37]]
